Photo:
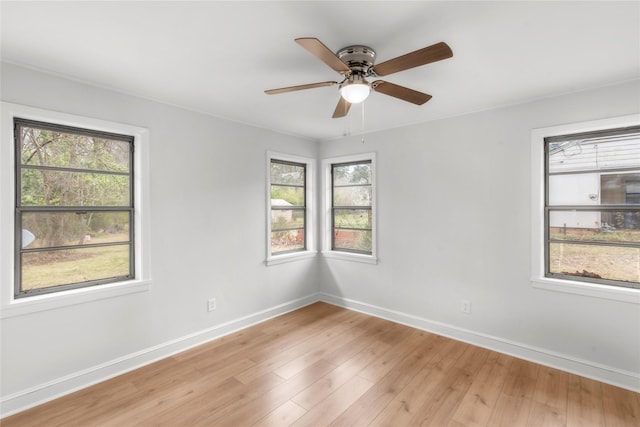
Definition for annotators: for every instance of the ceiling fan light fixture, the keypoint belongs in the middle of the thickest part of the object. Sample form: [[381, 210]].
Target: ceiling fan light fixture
[[355, 90]]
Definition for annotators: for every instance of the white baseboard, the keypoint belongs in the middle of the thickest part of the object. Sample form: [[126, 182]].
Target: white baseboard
[[585, 368], [59, 387]]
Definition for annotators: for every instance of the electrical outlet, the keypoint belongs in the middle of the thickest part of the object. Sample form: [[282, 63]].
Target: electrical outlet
[[465, 307], [211, 304]]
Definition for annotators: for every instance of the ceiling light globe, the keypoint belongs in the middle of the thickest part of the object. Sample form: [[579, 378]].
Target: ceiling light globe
[[355, 93]]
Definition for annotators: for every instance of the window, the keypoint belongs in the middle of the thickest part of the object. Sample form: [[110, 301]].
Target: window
[[290, 214], [74, 222], [350, 208], [74, 207], [288, 209], [592, 215], [351, 212], [585, 219]]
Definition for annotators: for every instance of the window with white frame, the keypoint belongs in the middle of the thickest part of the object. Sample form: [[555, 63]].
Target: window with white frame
[[592, 211], [350, 207], [73, 207], [585, 208], [290, 202], [74, 227]]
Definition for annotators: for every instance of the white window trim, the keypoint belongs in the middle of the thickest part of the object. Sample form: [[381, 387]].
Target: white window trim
[[310, 218], [538, 279], [326, 210], [10, 306]]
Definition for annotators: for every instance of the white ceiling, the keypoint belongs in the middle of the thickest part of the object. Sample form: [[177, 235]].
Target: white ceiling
[[219, 57]]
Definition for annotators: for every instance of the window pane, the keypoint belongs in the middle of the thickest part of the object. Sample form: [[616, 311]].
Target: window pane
[[62, 188], [282, 173], [352, 218], [287, 196], [69, 228], [594, 188], [287, 218], [604, 262], [287, 240], [44, 147], [352, 196], [620, 189], [618, 226], [352, 174], [356, 240], [575, 189], [52, 268], [594, 154]]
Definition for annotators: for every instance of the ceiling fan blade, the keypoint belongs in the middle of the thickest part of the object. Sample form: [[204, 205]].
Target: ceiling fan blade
[[322, 52], [426, 55], [400, 92], [342, 108], [299, 87]]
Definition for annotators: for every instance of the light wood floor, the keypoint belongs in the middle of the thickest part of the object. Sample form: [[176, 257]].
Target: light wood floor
[[324, 365]]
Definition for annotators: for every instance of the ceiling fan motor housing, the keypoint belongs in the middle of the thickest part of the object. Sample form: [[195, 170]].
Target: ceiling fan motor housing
[[359, 58]]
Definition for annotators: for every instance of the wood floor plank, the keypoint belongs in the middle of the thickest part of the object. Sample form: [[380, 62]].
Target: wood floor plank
[[227, 344], [439, 411], [545, 415], [203, 406], [170, 398], [584, 402], [248, 411], [510, 411], [477, 405], [371, 333], [141, 407], [379, 368], [552, 389], [275, 357], [620, 407], [522, 379], [285, 415], [472, 360], [288, 336], [296, 365], [328, 409], [70, 409], [325, 365], [367, 408], [325, 386], [422, 388]]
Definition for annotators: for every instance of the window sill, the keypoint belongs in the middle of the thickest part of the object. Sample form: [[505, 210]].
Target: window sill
[[284, 258], [614, 293], [34, 304], [348, 256]]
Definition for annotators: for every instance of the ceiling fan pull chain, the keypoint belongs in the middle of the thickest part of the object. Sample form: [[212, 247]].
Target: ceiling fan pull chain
[[363, 122]]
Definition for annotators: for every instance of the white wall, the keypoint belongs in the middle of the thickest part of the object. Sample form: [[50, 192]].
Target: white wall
[[455, 224], [208, 240]]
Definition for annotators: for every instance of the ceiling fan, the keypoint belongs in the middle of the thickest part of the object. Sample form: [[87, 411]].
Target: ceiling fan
[[356, 64]]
